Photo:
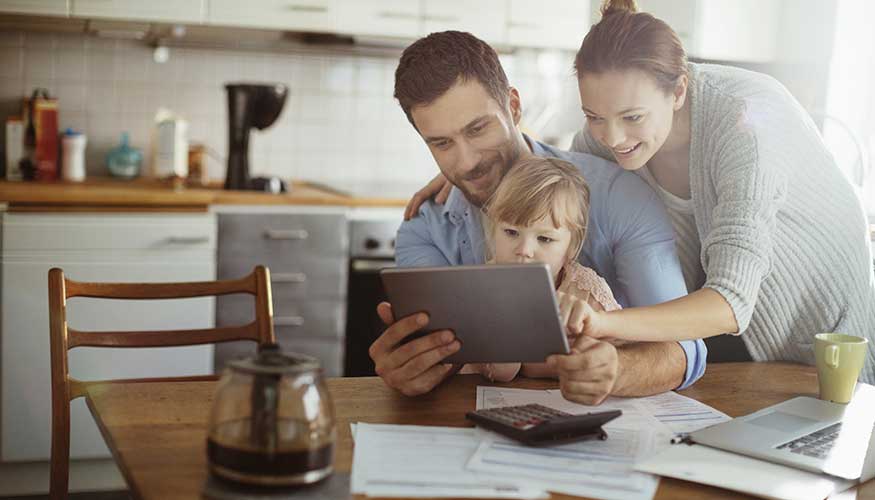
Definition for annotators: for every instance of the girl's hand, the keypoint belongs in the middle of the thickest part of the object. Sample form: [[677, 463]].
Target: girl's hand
[[579, 317], [439, 186]]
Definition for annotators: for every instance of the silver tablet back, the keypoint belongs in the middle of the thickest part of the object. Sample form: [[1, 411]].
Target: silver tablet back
[[500, 313]]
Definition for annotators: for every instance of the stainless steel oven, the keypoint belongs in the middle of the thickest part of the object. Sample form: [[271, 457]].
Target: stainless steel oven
[[372, 248]]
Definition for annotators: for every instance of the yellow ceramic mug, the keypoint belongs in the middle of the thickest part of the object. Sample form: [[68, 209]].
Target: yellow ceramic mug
[[839, 360]]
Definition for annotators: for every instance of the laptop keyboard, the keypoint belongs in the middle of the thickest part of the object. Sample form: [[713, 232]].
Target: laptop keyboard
[[816, 445]]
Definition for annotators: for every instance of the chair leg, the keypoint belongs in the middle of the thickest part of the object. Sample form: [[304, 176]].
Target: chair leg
[[59, 473]]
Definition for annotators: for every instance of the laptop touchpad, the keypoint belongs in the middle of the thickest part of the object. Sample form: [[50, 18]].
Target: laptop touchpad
[[784, 422]]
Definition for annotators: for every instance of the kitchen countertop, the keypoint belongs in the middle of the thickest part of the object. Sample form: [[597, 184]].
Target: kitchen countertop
[[105, 193], [102, 194]]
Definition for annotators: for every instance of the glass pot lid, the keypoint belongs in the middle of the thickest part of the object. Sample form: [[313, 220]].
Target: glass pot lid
[[270, 361]]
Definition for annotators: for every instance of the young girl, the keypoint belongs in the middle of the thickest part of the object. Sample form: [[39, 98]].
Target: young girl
[[539, 213]]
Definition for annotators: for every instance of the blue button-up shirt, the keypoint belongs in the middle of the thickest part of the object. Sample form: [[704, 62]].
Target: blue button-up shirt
[[629, 240]]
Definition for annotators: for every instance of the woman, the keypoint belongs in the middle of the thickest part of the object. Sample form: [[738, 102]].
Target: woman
[[771, 237]]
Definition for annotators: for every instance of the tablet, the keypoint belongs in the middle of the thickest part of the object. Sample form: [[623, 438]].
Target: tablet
[[500, 313]]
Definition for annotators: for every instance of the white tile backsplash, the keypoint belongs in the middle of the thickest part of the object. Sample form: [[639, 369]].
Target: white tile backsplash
[[13, 60], [340, 123], [70, 64], [39, 63]]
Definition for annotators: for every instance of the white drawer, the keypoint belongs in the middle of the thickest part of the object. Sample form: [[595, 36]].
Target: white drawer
[[153, 232]]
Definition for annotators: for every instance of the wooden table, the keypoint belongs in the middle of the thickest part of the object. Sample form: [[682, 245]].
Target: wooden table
[[157, 431]]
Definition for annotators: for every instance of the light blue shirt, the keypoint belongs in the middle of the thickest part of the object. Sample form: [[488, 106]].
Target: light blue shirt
[[629, 240]]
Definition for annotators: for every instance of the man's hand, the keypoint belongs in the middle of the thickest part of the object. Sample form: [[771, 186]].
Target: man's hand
[[589, 373], [413, 368], [439, 186]]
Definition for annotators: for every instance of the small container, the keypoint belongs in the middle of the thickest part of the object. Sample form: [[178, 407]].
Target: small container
[[124, 161], [197, 171], [272, 421], [14, 147], [169, 146], [73, 157]]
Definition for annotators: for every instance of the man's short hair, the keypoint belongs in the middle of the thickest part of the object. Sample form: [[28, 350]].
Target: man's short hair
[[432, 65]]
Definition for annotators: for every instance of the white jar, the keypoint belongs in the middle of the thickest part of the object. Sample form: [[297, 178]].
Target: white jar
[[171, 148], [73, 156]]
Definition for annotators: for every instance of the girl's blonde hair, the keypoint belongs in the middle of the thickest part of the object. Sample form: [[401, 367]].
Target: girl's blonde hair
[[535, 188]]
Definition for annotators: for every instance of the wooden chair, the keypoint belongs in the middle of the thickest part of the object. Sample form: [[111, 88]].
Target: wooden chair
[[62, 339]]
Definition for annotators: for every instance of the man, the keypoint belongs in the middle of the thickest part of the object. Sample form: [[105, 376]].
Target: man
[[455, 93]]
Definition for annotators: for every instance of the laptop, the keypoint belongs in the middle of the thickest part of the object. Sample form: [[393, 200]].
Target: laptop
[[805, 433]]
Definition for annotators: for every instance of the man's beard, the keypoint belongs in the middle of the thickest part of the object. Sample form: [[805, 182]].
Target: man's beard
[[502, 159]]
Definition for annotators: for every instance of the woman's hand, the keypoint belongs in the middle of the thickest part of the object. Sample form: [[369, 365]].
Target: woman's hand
[[580, 318], [439, 186]]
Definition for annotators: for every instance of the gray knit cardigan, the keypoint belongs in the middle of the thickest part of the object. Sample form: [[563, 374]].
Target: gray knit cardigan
[[783, 235]]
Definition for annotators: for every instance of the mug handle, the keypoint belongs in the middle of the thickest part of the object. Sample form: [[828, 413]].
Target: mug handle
[[831, 356]]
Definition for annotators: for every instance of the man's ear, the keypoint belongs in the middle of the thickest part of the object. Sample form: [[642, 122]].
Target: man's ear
[[680, 92], [515, 105]]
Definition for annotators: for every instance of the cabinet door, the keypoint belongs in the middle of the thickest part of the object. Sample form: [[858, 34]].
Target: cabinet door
[[39, 7], [379, 18], [488, 21], [681, 15], [556, 24], [302, 15], [26, 398], [180, 11], [738, 30]]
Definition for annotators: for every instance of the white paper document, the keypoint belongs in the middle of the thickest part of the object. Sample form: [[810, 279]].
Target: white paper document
[[597, 469], [424, 461], [739, 473], [681, 414]]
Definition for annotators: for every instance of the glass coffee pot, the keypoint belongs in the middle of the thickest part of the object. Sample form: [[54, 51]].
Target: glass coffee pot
[[272, 421]]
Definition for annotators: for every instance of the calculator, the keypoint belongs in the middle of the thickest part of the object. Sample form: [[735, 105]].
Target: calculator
[[538, 425]]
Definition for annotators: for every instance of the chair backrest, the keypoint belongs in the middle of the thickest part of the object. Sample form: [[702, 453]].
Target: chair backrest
[[62, 338]]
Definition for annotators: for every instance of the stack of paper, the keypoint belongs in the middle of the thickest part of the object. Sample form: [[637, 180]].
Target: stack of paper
[[420, 461]]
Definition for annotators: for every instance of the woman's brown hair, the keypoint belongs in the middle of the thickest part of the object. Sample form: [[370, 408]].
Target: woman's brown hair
[[627, 39]]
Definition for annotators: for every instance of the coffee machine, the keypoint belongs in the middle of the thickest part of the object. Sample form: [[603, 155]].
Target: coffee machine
[[249, 105]]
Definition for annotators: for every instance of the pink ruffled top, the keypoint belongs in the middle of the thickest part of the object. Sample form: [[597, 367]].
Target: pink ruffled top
[[586, 284]]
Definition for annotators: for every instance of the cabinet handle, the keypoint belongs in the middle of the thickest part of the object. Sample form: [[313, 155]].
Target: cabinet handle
[[288, 321], [523, 25], [442, 19], [188, 240], [306, 8], [288, 277], [286, 234], [397, 15]]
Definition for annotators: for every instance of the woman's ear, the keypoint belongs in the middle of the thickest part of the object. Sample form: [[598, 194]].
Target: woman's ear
[[680, 92], [516, 107]]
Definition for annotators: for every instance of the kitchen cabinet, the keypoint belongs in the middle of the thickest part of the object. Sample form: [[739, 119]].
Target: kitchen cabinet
[[307, 254], [556, 24], [680, 15], [379, 18], [722, 30], [737, 30], [35, 7], [488, 21], [300, 15], [175, 11], [105, 247]]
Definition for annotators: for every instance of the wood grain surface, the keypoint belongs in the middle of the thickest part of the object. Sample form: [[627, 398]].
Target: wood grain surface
[[157, 432]]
